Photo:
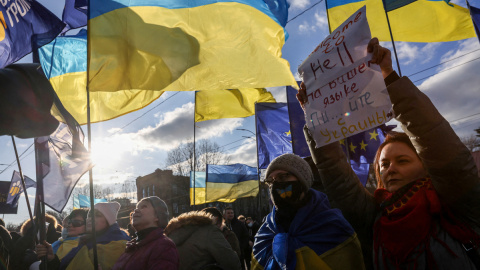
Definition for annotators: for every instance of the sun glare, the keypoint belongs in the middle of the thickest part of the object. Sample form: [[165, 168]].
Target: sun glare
[[105, 155]]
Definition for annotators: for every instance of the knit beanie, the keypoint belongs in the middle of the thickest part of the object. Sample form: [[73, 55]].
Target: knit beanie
[[161, 209], [109, 211], [295, 165]]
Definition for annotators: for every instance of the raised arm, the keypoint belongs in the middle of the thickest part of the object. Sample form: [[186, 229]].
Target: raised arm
[[448, 161]]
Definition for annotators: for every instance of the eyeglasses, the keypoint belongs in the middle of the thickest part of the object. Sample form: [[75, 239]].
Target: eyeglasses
[[281, 177], [76, 223]]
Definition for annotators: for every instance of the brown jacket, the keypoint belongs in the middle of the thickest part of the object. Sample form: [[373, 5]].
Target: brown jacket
[[200, 243], [449, 164]]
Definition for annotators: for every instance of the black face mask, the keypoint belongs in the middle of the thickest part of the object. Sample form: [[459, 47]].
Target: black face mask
[[286, 194]]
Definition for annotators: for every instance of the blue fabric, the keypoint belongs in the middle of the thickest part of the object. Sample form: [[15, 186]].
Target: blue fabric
[[231, 174], [200, 178], [58, 243], [273, 132], [475, 14], [72, 16], [82, 201], [16, 188], [315, 225], [26, 25], [297, 122], [113, 233]]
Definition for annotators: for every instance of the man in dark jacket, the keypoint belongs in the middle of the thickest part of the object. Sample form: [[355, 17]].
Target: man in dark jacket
[[151, 249], [239, 229]]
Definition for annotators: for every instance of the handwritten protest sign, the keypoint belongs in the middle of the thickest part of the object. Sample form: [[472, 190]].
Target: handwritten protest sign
[[346, 93]]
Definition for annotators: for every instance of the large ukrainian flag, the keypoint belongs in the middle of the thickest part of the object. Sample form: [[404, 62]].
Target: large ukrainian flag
[[226, 183], [185, 45], [410, 20]]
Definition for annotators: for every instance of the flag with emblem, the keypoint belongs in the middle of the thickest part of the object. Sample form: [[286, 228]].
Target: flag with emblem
[[273, 132], [361, 149], [16, 188], [22, 25]]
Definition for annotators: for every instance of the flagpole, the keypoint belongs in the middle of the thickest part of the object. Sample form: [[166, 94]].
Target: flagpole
[[40, 158], [328, 18], [194, 174], [258, 167], [23, 180], [90, 172], [391, 36]]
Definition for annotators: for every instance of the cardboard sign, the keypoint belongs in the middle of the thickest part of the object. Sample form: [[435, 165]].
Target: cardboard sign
[[346, 93]]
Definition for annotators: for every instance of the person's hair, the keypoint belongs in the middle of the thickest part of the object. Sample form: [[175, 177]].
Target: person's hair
[[391, 137], [82, 212], [227, 208], [215, 213], [241, 216]]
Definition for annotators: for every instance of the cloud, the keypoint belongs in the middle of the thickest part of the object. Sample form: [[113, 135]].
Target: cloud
[[321, 20], [298, 4], [320, 23], [176, 127], [455, 92], [305, 27], [245, 154]]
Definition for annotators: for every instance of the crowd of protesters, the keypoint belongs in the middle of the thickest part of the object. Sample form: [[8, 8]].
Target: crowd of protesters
[[425, 213]]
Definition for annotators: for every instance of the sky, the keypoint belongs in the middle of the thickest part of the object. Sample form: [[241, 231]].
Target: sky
[[136, 144]]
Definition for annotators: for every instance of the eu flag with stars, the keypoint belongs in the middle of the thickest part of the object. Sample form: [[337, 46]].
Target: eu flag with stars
[[24, 26], [16, 188], [273, 132], [297, 122]]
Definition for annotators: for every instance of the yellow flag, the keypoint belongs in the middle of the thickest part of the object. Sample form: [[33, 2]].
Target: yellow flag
[[234, 103], [419, 21]]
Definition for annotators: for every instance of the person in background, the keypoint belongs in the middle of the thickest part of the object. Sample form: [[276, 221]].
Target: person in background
[[241, 218], [239, 229], [302, 231], [200, 243], [6, 245], [227, 233], [110, 242], [252, 228], [151, 249]]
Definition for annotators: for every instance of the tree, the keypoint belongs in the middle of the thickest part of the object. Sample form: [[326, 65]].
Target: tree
[[181, 161], [471, 142]]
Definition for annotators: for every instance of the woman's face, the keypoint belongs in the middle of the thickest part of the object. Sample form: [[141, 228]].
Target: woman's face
[[399, 165], [76, 226], [101, 222]]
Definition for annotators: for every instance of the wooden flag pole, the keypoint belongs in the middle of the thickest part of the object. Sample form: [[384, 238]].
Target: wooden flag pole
[[23, 180], [391, 36]]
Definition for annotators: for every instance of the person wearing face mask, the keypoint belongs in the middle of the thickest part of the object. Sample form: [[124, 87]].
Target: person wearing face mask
[[111, 242], [302, 231], [425, 213]]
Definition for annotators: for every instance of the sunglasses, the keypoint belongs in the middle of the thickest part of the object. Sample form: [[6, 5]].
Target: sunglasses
[[76, 223], [281, 177]]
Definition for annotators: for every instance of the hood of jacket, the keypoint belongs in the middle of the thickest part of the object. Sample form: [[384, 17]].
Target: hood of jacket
[[179, 229]]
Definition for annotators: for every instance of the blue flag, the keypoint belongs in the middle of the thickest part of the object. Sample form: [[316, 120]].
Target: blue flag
[[73, 16], [297, 122], [273, 132], [197, 187], [475, 14], [82, 201], [16, 188], [25, 26], [362, 148], [226, 183]]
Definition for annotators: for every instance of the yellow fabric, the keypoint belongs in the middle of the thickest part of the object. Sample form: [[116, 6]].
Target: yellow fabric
[[234, 103], [107, 256], [420, 21], [71, 89], [65, 247], [336, 258], [199, 196], [308, 259], [254, 265], [225, 192], [211, 47]]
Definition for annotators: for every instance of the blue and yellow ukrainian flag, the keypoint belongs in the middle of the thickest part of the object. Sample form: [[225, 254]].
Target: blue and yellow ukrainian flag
[[226, 183], [184, 45], [233, 103], [197, 187], [411, 21]]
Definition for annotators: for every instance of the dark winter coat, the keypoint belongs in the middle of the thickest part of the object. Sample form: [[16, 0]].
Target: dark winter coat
[[156, 251], [450, 166], [200, 243]]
